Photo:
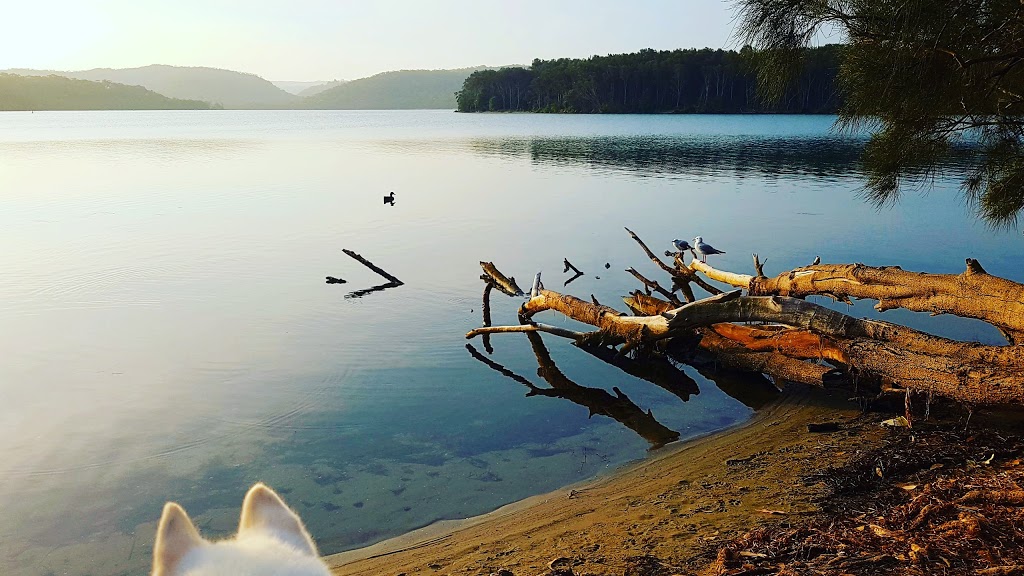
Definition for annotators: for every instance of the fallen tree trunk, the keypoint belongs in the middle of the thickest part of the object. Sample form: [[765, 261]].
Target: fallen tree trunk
[[901, 357], [797, 340], [971, 294]]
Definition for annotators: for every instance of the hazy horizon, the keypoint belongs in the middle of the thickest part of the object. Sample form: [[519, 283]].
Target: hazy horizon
[[317, 40]]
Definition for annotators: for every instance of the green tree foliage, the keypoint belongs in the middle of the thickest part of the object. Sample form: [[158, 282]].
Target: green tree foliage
[[928, 77], [650, 81], [60, 93]]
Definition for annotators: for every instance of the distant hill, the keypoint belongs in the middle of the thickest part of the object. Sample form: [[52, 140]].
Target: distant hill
[[225, 87], [298, 88], [60, 93], [399, 90], [321, 88]]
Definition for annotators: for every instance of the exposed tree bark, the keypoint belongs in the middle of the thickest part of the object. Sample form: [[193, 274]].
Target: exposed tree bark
[[653, 285], [972, 294]]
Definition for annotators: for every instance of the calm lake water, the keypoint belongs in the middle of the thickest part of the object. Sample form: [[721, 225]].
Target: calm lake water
[[168, 334]]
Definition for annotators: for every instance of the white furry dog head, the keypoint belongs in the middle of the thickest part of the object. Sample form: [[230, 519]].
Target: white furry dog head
[[271, 541]]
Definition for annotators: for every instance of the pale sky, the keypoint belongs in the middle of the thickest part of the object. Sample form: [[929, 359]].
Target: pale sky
[[325, 39]]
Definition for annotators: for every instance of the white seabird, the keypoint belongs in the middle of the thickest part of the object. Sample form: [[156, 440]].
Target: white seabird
[[704, 249], [681, 245]]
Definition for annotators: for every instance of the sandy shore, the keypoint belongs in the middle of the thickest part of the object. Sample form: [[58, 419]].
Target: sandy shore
[[674, 507]]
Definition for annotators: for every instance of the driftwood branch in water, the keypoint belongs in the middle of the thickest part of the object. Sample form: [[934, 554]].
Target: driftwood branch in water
[[653, 285], [682, 281], [506, 284], [569, 266], [971, 294], [563, 332], [391, 279]]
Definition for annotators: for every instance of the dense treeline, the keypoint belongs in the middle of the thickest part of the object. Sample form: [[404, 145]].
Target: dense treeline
[[702, 81], [60, 93]]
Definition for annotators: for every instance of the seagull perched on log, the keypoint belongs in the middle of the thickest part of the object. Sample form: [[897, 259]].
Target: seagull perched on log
[[704, 249], [681, 245]]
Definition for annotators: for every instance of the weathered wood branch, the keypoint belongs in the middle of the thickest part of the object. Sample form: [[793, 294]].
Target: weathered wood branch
[[616, 327], [391, 279], [646, 305], [730, 278], [971, 294], [684, 273], [653, 285], [650, 254], [506, 284], [557, 331], [682, 281]]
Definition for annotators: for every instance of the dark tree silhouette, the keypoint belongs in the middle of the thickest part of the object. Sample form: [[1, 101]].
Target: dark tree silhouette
[[713, 81], [928, 77]]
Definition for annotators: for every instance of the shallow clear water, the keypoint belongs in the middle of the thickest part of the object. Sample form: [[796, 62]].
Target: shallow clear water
[[168, 334]]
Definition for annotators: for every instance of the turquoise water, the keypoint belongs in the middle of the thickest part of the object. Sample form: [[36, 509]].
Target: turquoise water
[[168, 334]]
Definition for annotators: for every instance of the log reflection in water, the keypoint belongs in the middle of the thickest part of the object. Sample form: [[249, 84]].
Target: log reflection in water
[[653, 368], [597, 401]]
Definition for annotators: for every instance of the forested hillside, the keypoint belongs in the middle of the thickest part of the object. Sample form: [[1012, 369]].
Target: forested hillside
[[402, 89], [704, 81], [60, 93], [228, 88]]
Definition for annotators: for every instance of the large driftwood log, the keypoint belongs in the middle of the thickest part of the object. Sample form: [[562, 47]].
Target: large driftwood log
[[972, 294], [900, 356], [797, 340]]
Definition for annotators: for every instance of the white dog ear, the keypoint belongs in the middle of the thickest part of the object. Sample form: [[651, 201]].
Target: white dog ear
[[175, 537], [264, 511]]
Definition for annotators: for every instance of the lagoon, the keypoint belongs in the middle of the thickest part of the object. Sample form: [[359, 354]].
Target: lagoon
[[168, 334]]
